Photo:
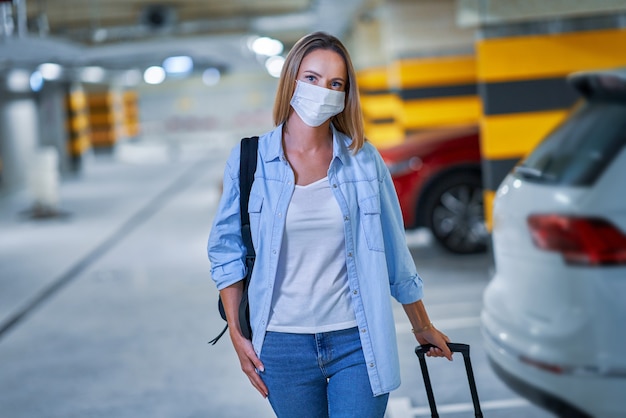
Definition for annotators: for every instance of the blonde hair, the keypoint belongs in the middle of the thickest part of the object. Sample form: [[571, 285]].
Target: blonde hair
[[350, 121]]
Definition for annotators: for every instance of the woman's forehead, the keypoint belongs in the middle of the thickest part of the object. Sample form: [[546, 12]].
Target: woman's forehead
[[323, 60]]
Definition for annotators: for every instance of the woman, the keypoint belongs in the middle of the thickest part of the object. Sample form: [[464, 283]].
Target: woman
[[330, 247]]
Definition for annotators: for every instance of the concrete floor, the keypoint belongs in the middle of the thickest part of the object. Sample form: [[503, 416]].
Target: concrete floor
[[107, 311]]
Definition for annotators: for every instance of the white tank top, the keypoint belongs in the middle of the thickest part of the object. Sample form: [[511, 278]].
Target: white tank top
[[311, 293]]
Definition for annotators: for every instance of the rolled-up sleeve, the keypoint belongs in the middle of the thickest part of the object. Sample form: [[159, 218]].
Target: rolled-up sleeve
[[408, 291], [406, 284], [225, 246]]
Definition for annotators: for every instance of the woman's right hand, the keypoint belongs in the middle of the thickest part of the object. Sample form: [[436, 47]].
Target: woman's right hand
[[250, 363]]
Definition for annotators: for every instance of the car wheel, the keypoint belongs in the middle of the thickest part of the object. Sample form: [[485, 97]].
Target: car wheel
[[455, 213]]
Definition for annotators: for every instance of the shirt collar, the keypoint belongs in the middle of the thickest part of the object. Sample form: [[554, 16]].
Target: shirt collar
[[340, 145], [275, 145]]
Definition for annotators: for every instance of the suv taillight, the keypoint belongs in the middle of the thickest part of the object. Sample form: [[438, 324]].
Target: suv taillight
[[586, 241]]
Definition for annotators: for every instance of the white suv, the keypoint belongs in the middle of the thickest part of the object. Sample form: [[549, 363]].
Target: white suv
[[554, 316]]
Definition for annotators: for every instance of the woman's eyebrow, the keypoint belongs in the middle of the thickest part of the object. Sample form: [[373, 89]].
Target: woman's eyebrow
[[312, 72], [319, 75]]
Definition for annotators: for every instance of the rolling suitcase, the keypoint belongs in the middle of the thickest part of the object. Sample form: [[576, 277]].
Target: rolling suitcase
[[464, 349]]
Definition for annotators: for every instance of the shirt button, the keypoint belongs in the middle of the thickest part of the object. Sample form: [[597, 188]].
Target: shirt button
[[279, 214], [349, 254], [371, 364], [273, 251], [355, 292], [346, 218], [334, 186], [363, 330]]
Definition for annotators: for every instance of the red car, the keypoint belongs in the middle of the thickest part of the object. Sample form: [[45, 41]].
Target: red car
[[438, 179]]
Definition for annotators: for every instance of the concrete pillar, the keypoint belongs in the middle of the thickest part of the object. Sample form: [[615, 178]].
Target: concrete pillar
[[365, 41], [52, 122], [371, 60], [19, 137], [64, 123], [7, 26], [428, 79], [31, 121], [524, 52], [484, 13], [423, 28]]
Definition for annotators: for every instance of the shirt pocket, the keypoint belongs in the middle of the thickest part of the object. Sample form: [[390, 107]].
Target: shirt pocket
[[369, 209], [255, 206]]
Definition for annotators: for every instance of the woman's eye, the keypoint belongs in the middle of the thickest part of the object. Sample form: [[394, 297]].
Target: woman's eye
[[309, 78], [336, 84]]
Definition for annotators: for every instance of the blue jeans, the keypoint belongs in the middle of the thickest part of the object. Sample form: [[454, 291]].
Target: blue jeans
[[319, 376]]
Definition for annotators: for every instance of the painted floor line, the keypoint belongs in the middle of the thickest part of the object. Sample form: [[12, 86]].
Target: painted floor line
[[120, 233], [457, 323], [402, 408], [444, 324]]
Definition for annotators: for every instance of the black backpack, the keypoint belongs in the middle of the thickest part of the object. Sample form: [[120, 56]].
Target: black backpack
[[247, 167]]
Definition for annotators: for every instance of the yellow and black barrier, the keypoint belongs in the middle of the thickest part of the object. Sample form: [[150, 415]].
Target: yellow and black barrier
[[130, 101], [436, 92], [78, 141], [524, 93], [105, 117], [418, 94], [380, 107]]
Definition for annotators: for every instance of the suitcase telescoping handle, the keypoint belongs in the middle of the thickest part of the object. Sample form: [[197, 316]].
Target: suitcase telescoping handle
[[464, 349]]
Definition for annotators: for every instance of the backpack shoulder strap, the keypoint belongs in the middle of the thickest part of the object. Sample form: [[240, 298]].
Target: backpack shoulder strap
[[247, 168]]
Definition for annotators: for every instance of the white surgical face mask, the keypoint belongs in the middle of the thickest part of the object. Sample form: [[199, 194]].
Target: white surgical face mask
[[315, 105]]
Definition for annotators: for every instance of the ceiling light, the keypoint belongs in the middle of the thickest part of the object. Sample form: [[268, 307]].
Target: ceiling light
[[18, 81], [92, 74], [274, 65], [50, 71], [154, 75], [211, 76], [267, 46], [180, 65]]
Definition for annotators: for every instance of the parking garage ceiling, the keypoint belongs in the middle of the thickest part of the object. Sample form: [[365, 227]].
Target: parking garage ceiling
[[114, 20], [137, 33]]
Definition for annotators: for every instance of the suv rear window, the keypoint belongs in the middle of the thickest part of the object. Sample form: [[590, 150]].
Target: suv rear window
[[578, 151]]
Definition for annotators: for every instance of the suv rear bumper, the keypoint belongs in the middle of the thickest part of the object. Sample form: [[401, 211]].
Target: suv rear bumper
[[537, 395], [565, 391]]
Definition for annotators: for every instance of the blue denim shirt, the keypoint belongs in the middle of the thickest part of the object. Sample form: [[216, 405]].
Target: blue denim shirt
[[378, 261]]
